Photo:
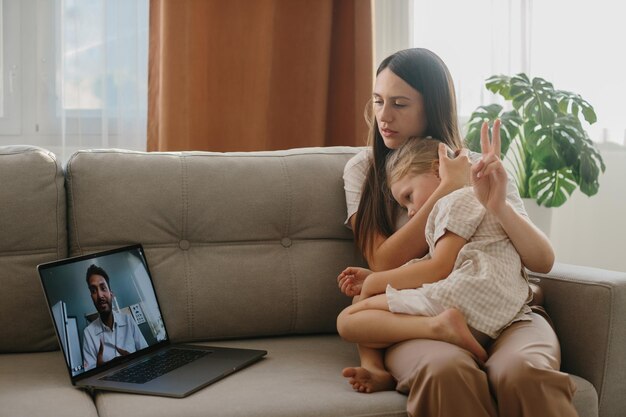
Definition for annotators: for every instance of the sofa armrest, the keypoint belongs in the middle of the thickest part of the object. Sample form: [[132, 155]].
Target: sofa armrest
[[588, 308]]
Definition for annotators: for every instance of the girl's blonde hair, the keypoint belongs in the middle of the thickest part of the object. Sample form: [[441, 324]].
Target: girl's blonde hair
[[416, 156]]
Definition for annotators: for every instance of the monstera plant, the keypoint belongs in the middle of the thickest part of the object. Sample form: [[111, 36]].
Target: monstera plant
[[543, 138]]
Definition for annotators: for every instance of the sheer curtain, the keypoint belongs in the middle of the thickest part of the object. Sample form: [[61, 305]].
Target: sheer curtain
[[74, 74], [101, 74]]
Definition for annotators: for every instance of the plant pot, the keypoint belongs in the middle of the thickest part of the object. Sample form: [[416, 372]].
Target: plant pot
[[541, 216]]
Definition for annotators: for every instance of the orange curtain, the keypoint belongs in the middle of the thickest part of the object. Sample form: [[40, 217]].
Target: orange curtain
[[244, 75]]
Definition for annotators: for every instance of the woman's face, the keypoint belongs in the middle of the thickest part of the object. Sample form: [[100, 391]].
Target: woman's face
[[399, 109]]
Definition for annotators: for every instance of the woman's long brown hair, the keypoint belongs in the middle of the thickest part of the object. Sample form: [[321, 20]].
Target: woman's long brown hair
[[428, 74]]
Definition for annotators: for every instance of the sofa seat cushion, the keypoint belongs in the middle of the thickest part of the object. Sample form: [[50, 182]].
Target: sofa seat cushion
[[301, 376], [585, 398], [37, 384]]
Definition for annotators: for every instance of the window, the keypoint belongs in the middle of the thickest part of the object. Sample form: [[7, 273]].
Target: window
[[579, 46], [1, 63], [9, 67], [103, 45], [475, 39], [82, 55], [102, 67], [79, 71]]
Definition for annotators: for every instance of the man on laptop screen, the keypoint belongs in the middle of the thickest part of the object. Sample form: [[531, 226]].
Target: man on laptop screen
[[111, 334], [126, 318]]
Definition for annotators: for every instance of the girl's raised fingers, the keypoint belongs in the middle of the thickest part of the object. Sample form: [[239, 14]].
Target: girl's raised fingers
[[488, 159], [489, 169], [495, 164], [477, 167], [485, 147], [495, 138]]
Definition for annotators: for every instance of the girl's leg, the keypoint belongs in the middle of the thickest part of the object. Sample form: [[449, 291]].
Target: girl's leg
[[371, 324], [371, 376]]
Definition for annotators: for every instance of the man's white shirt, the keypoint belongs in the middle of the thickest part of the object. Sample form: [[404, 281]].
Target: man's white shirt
[[124, 335]]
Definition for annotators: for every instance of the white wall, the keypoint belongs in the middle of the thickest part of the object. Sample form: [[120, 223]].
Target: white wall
[[590, 230]]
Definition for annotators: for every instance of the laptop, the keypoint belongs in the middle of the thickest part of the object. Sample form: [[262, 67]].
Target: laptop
[[112, 331]]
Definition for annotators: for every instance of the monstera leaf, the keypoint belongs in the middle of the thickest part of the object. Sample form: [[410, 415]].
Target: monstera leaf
[[552, 188], [543, 137]]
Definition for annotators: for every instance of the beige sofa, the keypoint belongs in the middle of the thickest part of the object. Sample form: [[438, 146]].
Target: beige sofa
[[244, 249]]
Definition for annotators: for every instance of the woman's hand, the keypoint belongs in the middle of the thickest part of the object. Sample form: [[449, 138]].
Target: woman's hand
[[454, 172], [489, 177]]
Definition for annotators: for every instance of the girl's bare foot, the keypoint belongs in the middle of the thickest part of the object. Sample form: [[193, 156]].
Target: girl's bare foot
[[454, 329], [364, 380]]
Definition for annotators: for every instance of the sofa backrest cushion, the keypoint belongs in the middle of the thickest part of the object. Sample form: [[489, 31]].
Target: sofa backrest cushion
[[32, 231], [239, 244]]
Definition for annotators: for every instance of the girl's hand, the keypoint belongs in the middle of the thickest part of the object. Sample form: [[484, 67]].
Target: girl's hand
[[454, 172], [351, 279], [488, 175]]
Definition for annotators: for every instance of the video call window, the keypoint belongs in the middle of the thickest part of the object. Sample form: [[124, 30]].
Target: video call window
[[103, 308]]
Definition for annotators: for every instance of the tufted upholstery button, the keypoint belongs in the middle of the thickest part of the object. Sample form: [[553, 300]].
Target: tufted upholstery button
[[184, 244], [286, 242]]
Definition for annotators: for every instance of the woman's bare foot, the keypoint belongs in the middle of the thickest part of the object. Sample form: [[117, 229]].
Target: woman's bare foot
[[454, 329], [364, 380]]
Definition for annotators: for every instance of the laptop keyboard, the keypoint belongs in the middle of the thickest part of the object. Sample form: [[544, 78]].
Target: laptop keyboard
[[157, 365]]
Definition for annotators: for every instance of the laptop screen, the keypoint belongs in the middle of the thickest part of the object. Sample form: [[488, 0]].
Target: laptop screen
[[103, 306]]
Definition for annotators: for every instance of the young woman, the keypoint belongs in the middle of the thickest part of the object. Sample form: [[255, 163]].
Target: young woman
[[414, 97]]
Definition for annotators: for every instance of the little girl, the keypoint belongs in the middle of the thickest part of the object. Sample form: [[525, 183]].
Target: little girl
[[469, 287]]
